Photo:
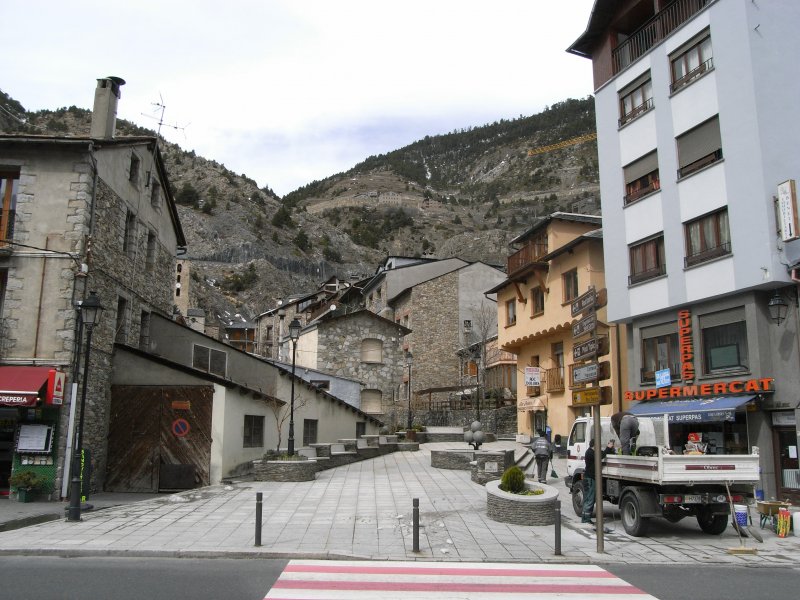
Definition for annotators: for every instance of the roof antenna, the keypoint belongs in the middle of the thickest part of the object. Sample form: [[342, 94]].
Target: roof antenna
[[160, 106]]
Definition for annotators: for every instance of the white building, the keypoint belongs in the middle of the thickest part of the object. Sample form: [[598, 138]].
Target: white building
[[697, 127]]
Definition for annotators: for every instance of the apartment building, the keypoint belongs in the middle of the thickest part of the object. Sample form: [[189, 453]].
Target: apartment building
[[697, 130]]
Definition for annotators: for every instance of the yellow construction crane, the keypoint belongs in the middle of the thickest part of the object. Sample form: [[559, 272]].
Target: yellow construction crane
[[576, 140]]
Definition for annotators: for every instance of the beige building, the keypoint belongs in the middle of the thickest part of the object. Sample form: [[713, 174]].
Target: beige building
[[559, 258]]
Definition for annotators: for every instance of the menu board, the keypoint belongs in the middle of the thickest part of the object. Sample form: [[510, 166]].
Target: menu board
[[34, 438]]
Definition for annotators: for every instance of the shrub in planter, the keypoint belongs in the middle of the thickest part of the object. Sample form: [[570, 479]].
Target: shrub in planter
[[513, 480], [275, 455], [26, 480]]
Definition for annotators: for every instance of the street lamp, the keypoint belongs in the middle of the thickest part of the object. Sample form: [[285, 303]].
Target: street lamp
[[409, 359], [89, 312], [778, 307], [294, 334]]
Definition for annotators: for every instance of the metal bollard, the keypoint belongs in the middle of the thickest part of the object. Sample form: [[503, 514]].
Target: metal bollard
[[416, 524], [558, 528], [259, 503]]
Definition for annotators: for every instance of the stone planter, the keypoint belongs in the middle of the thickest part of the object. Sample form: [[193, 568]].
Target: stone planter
[[521, 510], [284, 470], [452, 459]]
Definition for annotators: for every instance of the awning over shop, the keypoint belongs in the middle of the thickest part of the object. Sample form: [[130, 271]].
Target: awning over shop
[[694, 410], [23, 386]]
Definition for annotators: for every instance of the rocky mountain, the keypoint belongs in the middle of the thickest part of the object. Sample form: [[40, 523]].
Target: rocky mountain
[[466, 194]]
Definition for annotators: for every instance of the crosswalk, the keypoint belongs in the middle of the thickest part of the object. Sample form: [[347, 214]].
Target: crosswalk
[[358, 580]]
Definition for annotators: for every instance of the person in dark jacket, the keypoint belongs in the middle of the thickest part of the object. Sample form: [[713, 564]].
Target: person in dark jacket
[[543, 452], [589, 481], [626, 426]]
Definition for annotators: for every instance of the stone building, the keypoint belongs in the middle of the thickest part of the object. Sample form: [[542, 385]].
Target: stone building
[[79, 214]]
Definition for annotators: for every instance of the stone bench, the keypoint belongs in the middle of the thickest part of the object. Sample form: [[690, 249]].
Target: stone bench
[[311, 453], [349, 444], [364, 449]]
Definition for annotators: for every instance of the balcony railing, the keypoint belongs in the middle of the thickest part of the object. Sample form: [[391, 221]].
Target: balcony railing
[[694, 73], [708, 159], [648, 274], [554, 379], [653, 186], [7, 218], [525, 256], [654, 31], [635, 112], [707, 254]]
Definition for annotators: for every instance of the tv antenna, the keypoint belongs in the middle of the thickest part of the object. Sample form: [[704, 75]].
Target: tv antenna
[[161, 107]]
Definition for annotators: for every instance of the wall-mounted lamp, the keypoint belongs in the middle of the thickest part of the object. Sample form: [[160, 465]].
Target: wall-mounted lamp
[[778, 308]]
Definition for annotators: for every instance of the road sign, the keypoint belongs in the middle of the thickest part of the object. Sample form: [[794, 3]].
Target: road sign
[[589, 301], [586, 325], [585, 373], [591, 396], [584, 351], [180, 427]]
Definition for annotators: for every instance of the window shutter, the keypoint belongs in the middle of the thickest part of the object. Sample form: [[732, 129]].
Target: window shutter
[[699, 142], [641, 167]]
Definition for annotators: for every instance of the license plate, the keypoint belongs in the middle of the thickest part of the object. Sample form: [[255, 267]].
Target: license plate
[[692, 499]]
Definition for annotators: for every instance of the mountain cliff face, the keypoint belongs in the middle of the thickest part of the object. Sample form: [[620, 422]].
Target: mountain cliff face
[[466, 194]]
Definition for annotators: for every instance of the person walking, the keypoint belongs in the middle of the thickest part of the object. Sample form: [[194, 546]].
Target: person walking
[[626, 426], [590, 481], [543, 452]]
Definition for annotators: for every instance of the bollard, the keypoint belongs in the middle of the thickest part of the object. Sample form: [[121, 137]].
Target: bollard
[[558, 528], [416, 525], [259, 503]]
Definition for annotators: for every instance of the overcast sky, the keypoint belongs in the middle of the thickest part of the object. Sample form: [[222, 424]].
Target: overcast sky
[[289, 91]]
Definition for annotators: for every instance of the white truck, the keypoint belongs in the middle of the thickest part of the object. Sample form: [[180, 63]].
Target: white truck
[[656, 483]]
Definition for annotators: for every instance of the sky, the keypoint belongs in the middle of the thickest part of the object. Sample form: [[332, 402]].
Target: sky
[[292, 91]]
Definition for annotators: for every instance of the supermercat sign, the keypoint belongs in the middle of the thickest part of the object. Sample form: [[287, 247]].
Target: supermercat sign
[[717, 388]]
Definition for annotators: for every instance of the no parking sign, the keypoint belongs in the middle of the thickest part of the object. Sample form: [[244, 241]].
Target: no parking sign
[[180, 427]]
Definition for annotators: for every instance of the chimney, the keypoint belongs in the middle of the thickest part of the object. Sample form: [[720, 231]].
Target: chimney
[[104, 115]]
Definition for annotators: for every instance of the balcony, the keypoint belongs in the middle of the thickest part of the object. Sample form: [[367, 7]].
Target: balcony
[[700, 163], [707, 254], [643, 191], [526, 256], [653, 31], [7, 218], [635, 112], [554, 379]]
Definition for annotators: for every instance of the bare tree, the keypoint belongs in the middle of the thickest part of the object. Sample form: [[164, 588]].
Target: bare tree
[[283, 411]]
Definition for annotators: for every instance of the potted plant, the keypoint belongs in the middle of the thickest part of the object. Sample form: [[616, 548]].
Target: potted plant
[[27, 483]]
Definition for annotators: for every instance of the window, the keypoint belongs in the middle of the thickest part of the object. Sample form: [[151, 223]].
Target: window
[[150, 259], [371, 401], [144, 331], [534, 390], [635, 99], [699, 147], [570, 281], [641, 177], [578, 434], [253, 436], [537, 301], [724, 336], [309, 431], [209, 360], [371, 350], [133, 175], [691, 61], [9, 187], [129, 240], [470, 368], [361, 429], [155, 195], [647, 260], [707, 237], [660, 351], [511, 312], [121, 326]]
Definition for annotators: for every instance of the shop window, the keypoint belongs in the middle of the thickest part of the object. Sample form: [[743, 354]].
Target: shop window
[[511, 312], [371, 350], [537, 301], [635, 99], [371, 401], [707, 237], [699, 147], [570, 281], [691, 61], [647, 260], [660, 352], [309, 431], [641, 177], [724, 347], [253, 431]]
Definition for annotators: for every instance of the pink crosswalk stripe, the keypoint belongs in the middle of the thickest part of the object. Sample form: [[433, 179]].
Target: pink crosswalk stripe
[[356, 580]]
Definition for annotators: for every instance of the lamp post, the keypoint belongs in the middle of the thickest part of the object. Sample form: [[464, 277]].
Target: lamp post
[[778, 308], [90, 311], [294, 334], [467, 343], [409, 359]]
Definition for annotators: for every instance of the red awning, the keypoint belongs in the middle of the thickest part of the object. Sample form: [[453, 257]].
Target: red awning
[[23, 386]]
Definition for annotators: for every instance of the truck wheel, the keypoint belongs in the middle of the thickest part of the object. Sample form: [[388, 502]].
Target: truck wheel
[[631, 516], [711, 523], [577, 497]]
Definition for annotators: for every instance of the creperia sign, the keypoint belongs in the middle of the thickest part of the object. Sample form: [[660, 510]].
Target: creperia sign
[[718, 388]]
